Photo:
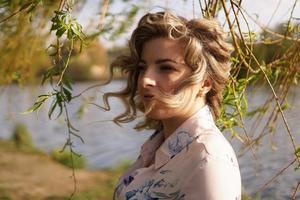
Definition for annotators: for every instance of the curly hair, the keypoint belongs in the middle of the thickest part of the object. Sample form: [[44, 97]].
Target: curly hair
[[206, 52]]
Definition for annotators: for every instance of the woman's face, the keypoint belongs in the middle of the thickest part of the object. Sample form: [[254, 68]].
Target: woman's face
[[162, 67]]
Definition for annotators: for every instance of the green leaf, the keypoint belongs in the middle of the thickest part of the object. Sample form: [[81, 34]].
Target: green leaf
[[60, 12], [59, 102], [76, 31], [60, 32], [67, 94], [68, 82], [33, 108], [54, 27], [47, 75], [297, 152], [133, 12], [37, 105], [285, 106], [52, 108], [69, 34]]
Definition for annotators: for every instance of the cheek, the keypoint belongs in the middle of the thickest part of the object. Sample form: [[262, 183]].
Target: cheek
[[170, 83], [169, 88]]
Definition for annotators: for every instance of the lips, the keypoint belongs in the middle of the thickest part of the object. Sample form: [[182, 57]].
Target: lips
[[148, 97]]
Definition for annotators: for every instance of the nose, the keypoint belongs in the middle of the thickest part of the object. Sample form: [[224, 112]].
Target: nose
[[147, 78]]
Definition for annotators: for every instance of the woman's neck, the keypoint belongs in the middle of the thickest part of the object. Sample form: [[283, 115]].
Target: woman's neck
[[171, 124]]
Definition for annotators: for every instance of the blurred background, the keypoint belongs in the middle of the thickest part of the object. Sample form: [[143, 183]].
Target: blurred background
[[86, 36]]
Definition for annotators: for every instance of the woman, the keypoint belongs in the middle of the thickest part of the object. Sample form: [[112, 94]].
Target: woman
[[177, 70]]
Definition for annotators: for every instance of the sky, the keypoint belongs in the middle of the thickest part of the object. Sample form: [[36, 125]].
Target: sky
[[261, 10]]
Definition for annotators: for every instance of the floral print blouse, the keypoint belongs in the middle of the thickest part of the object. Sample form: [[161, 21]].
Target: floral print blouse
[[196, 162]]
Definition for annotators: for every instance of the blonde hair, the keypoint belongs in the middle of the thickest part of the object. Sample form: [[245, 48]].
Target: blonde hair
[[206, 52]]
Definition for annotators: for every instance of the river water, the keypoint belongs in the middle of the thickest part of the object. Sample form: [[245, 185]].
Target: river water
[[107, 145]]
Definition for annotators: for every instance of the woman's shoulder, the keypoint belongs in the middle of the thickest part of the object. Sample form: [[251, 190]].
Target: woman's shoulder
[[212, 145]]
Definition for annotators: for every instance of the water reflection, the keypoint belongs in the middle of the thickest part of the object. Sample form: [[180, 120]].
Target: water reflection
[[107, 144]]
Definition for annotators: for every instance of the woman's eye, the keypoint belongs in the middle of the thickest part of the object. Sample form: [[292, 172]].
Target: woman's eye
[[167, 68], [141, 68]]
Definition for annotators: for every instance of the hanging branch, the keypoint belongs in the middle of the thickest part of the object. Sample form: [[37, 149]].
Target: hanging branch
[[63, 24], [295, 191], [290, 18], [66, 27], [277, 174], [264, 74], [31, 5]]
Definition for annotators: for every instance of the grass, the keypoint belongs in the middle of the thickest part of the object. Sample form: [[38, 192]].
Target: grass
[[102, 189], [105, 188], [4, 195], [10, 146], [248, 197], [79, 162]]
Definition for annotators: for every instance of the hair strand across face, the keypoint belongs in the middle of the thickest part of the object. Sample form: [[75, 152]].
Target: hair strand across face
[[206, 52]]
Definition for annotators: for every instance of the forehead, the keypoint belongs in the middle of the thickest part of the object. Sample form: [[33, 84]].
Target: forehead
[[163, 48]]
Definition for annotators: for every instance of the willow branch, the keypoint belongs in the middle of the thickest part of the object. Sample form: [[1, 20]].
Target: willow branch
[[265, 75], [289, 22], [24, 7], [69, 143], [66, 64], [265, 28], [295, 191], [103, 13], [274, 177], [235, 42], [61, 4], [274, 12]]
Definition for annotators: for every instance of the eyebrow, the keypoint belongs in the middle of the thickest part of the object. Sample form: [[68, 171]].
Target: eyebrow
[[159, 61]]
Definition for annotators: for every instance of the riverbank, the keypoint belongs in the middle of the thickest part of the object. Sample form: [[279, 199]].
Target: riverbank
[[31, 174]]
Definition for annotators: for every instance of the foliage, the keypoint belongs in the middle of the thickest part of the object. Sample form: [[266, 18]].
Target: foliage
[[22, 41], [65, 158], [21, 136], [105, 188], [247, 197], [4, 195], [268, 58], [68, 31], [297, 153]]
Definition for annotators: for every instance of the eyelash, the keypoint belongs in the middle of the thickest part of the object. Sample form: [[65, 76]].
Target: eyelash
[[162, 68], [167, 68]]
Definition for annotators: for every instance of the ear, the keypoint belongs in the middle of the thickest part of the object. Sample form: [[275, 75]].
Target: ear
[[205, 88]]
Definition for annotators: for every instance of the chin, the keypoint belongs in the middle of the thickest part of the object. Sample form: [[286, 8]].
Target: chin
[[158, 114], [159, 111], [154, 116]]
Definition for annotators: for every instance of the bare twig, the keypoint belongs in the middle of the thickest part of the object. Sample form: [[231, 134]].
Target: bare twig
[[291, 16], [274, 177], [66, 64], [202, 9], [69, 143], [104, 9], [274, 12], [61, 4], [295, 191], [24, 7], [235, 42], [263, 72], [266, 29]]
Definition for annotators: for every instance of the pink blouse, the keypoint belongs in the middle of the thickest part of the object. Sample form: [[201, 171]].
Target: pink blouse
[[196, 162]]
